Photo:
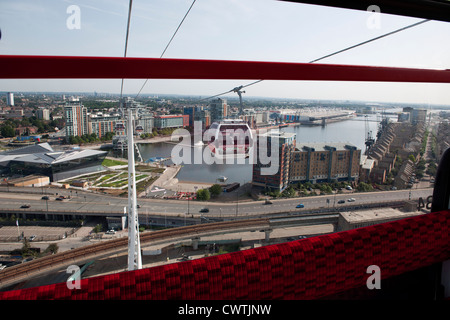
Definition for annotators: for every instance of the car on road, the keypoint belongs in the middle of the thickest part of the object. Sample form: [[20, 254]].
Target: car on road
[[351, 200], [204, 210], [59, 199], [301, 205], [25, 206], [32, 238], [341, 201], [268, 202], [45, 198]]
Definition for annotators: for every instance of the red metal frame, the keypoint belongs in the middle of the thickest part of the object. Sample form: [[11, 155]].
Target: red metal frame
[[63, 67]]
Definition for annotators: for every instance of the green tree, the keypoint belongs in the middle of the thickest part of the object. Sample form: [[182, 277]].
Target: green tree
[[364, 187], [215, 190], [53, 248], [7, 131], [26, 248], [432, 169], [203, 195]]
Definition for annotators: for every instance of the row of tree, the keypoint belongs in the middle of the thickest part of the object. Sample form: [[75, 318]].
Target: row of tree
[[90, 138], [8, 127], [206, 194]]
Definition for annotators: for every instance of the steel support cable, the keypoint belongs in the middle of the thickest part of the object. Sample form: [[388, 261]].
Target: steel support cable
[[126, 40], [331, 54], [170, 41]]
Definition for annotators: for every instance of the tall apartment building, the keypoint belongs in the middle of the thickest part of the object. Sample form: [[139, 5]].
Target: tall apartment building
[[10, 99], [197, 113], [43, 114], [218, 109], [76, 119], [286, 145], [324, 162]]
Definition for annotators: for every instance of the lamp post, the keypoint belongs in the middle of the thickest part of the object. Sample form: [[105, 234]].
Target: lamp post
[[237, 202], [334, 201]]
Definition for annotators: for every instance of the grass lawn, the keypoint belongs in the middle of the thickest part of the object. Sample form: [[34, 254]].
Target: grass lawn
[[110, 163]]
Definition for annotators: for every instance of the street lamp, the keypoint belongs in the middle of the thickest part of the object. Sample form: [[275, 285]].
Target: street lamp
[[334, 201], [237, 202]]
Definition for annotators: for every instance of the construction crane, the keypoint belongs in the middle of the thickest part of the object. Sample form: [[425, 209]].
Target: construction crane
[[369, 139]]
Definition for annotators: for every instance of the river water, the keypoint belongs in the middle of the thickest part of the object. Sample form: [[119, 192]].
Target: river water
[[352, 131]]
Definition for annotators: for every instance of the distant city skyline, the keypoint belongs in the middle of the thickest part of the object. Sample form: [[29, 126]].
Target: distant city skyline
[[262, 30]]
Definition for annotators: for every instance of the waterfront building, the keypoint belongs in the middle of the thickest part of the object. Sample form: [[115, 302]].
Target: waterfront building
[[100, 125], [76, 119], [171, 121], [145, 122], [325, 162], [418, 115], [286, 145]]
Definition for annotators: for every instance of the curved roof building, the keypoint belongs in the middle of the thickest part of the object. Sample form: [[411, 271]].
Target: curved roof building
[[57, 165]]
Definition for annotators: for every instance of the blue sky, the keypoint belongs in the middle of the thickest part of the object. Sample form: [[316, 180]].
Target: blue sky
[[264, 30]]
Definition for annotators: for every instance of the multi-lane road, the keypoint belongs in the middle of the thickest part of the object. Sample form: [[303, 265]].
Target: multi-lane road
[[84, 202]]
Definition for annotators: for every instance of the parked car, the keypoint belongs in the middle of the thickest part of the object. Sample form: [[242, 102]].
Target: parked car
[[110, 232], [348, 187], [267, 201], [32, 238], [301, 205]]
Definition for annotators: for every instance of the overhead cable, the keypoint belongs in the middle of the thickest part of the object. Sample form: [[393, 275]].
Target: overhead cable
[[170, 41], [331, 54], [126, 40]]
